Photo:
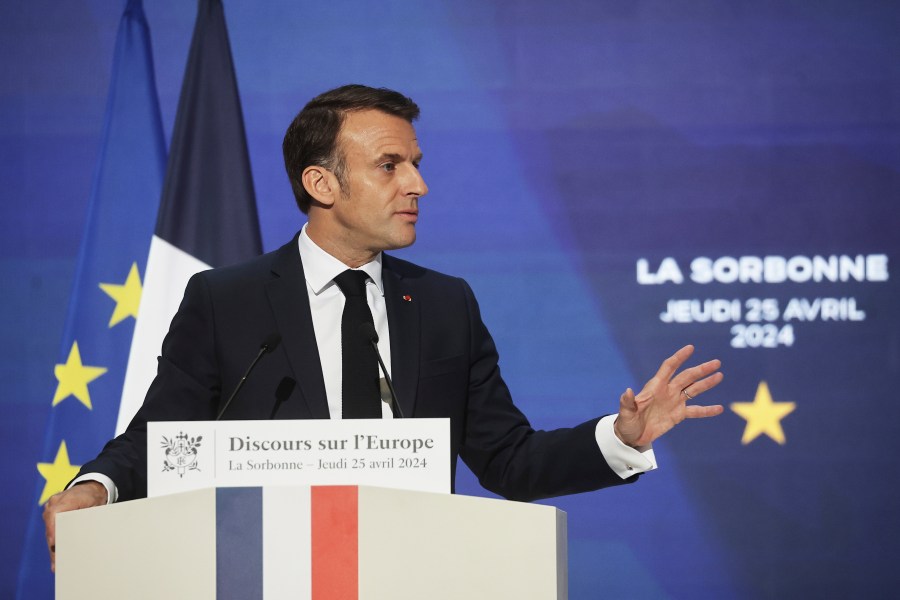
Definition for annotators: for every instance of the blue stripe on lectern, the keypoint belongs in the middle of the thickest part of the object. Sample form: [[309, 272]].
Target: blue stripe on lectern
[[239, 569]]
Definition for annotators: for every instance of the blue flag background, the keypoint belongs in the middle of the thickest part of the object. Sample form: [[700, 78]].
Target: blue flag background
[[610, 177]]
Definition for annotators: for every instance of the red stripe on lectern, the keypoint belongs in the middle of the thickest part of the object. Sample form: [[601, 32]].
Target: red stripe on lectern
[[335, 547]]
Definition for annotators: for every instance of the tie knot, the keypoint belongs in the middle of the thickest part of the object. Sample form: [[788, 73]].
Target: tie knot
[[352, 283]]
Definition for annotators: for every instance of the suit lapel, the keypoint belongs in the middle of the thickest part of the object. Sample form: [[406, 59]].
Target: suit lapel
[[403, 324], [290, 305]]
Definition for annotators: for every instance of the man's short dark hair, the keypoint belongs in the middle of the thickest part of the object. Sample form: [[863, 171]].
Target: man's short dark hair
[[312, 137]]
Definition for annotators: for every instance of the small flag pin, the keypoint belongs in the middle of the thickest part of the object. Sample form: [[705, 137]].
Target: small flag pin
[[407, 298]]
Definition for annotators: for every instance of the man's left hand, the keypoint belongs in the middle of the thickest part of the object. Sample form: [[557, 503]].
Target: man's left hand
[[662, 403]]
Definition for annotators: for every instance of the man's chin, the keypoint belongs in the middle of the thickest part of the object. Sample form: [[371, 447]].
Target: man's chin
[[402, 242], [409, 241]]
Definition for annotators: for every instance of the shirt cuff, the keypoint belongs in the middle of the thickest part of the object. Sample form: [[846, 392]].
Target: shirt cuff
[[624, 460], [112, 492]]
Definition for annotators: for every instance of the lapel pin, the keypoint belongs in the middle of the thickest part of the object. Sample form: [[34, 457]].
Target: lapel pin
[[407, 298]]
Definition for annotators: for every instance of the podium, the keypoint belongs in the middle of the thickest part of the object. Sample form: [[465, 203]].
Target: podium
[[317, 542]]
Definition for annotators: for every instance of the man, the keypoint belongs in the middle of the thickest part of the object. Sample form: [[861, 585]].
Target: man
[[352, 157]]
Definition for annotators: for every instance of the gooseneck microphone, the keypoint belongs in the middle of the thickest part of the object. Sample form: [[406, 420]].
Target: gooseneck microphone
[[268, 345], [367, 330]]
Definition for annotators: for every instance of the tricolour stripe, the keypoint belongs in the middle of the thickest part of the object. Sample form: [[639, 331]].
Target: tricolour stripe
[[286, 548], [335, 548], [239, 546]]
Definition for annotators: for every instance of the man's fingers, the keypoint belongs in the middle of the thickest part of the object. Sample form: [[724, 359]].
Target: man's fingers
[[694, 388], [50, 526], [693, 375], [701, 412], [674, 362], [82, 495]]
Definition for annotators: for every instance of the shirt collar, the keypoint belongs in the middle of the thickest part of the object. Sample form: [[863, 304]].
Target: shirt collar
[[320, 268]]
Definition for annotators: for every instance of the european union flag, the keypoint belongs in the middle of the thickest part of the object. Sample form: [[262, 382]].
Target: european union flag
[[106, 294]]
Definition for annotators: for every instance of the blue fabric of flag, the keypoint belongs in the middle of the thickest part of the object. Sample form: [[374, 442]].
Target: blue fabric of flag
[[209, 207], [100, 321]]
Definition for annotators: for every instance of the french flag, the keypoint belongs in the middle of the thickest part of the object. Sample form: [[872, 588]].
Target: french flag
[[327, 568], [207, 215]]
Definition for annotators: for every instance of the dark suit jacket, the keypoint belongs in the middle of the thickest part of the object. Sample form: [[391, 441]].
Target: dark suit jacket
[[443, 360]]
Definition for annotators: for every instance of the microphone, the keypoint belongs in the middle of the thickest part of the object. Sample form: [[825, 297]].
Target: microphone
[[367, 330], [268, 345], [282, 392]]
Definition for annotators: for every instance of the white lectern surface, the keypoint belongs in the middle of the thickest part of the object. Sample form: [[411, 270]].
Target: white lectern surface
[[320, 542]]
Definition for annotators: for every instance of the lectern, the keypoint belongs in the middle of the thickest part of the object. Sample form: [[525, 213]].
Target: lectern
[[317, 542]]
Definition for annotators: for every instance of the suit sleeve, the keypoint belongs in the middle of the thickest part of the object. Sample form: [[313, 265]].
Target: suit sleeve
[[186, 388], [507, 455]]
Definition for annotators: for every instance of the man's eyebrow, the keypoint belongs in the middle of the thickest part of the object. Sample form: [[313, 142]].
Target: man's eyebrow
[[394, 157]]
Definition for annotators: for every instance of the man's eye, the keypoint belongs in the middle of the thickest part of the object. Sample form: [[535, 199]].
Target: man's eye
[[389, 167]]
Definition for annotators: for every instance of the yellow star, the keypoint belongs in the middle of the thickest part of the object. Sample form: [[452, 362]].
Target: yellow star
[[58, 473], [763, 415], [74, 378], [127, 296]]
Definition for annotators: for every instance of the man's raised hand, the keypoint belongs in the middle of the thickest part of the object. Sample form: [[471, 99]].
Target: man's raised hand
[[662, 403]]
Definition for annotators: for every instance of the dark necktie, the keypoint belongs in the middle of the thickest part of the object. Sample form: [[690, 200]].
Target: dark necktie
[[361, 395]]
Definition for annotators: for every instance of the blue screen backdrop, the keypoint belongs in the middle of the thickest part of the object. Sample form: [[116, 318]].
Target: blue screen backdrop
[[614, 179]]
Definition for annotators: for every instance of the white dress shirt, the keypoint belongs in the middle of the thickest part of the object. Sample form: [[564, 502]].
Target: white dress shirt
[[326, 303]]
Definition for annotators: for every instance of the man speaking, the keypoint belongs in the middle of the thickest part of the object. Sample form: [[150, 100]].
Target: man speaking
[[330, 293]]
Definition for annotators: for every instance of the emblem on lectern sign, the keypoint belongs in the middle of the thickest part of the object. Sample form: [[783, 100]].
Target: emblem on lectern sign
[[181, 453]]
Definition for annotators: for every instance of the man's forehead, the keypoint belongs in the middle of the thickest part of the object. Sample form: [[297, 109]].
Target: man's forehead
[[376, 131]]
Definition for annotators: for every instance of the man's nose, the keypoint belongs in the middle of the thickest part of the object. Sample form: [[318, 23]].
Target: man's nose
[[416, 185]]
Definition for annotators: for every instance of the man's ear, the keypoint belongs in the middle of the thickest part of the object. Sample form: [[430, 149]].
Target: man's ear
[[321, 184]]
